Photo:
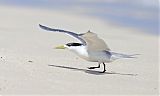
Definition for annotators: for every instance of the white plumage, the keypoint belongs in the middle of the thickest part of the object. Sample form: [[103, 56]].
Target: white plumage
[[91, 48]]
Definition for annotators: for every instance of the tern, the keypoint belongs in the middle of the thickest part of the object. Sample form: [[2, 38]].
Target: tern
[[90, 48]]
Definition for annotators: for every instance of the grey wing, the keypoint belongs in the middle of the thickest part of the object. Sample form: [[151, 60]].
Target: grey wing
[[94, 43], [64, 31]]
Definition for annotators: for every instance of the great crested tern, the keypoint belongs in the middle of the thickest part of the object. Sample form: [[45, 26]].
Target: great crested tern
[[90, 48]]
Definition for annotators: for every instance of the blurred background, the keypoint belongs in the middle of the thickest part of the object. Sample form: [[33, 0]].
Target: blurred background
[[138, 14], [127, 26]]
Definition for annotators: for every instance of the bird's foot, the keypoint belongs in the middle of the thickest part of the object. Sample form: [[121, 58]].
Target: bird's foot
[[92, 67], [103, 71]]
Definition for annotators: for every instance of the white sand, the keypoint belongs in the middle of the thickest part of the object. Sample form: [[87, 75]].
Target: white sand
[[26, 51]]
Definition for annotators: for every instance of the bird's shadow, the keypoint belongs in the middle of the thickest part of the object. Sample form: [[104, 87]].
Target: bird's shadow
[[91, 71]]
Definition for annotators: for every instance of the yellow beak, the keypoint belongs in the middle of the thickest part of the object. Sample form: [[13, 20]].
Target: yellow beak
[[60, 47]]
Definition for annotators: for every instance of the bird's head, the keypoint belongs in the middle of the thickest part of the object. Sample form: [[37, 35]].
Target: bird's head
[[70, 46]]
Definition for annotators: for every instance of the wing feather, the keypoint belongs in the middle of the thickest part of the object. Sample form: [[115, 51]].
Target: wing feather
[[90, 39], [75, 35], [94, 43]]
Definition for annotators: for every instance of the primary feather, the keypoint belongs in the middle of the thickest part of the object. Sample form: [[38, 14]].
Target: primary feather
[[75, 35]]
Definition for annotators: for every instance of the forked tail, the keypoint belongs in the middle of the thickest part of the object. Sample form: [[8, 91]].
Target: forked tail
[[120, 55]]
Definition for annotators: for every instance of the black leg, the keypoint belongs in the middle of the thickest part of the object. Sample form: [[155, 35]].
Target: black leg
[[104, 70], [94, 67]]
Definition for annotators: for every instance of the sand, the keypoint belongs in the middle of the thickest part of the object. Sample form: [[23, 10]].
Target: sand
[[29, 64]]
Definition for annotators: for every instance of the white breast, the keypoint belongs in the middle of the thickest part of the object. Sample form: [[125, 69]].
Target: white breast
[[80, 51]]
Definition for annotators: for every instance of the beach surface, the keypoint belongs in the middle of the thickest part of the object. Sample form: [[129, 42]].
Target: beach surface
[[29, 64]]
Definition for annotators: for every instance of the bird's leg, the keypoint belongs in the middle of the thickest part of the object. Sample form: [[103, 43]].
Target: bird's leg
[[94, 67], [104, 69]]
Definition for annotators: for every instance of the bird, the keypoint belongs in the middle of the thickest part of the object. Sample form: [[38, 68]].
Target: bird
[[90, 47]]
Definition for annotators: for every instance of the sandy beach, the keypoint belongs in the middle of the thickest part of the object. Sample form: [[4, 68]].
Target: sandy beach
[[29, 64]]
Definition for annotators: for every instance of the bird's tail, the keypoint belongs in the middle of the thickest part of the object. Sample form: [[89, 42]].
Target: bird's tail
[[120, 55]]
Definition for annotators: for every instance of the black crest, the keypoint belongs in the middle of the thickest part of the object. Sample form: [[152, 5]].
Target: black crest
[[74, 44]]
